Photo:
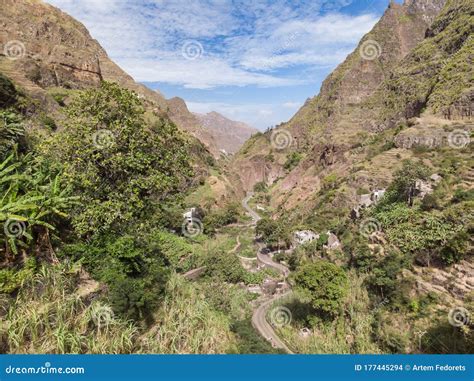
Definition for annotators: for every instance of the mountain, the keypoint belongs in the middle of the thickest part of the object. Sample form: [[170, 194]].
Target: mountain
[[228, 134], [371, 91], [51, 50]]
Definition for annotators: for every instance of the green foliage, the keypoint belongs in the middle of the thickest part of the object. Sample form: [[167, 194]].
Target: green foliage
[[48, 122], [223, 216], [403, 186], [8, 94], [463, 195], [325, 284], [249, 342], [11, 132], [135, 271], [33, 199], [457, 248], [292, 160], [12, 278], [330, 181], [49, 316], [119, 165], [260, 187], [275, 233], [224, 267]]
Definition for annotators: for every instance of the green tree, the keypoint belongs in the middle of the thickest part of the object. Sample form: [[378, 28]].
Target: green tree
[[403, 186], [325, 284], [120, 164], [275, 233]]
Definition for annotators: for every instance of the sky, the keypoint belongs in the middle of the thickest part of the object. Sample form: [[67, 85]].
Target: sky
[[255, 61]]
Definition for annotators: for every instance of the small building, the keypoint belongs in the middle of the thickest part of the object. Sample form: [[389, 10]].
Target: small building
[[259, 207], [377, 195], [435, 178], [333, 241], [365, 200], [189, 215], [304, 236]]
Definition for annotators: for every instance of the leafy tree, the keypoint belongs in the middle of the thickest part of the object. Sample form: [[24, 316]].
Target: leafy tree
[[326, 285], [224, 216], [120, 165], [402, 188], [275, 233], [225, 266]]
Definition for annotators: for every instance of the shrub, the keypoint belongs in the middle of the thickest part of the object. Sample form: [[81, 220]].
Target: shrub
[[292, 160], [325, 284], [260, 187]]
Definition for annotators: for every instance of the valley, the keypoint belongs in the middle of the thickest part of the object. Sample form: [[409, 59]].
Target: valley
[[132, 225]]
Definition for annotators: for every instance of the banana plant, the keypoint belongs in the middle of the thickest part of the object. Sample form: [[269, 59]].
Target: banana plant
[[30, 198]]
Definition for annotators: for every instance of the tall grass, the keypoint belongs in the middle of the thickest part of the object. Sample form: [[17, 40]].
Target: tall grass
[[186, 323], [49, 317]]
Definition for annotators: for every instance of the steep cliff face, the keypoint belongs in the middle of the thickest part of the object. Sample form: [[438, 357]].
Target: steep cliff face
[[343, 113], [44, 48], [437, 75]]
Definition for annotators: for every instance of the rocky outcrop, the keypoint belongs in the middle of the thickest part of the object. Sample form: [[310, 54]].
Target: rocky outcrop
[[457, 281]]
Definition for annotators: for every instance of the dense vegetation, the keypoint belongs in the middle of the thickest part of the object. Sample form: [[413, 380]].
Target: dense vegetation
[[93, 215]]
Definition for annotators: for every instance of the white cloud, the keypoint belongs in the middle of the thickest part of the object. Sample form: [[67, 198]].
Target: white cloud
[[244, 44]]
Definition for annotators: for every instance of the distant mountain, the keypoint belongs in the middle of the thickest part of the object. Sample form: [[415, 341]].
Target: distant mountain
[[229, 135]]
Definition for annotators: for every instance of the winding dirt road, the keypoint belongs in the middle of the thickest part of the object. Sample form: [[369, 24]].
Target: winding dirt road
[[259, 317]]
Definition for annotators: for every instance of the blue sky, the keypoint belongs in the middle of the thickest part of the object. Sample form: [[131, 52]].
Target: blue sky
[[255, 61]]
